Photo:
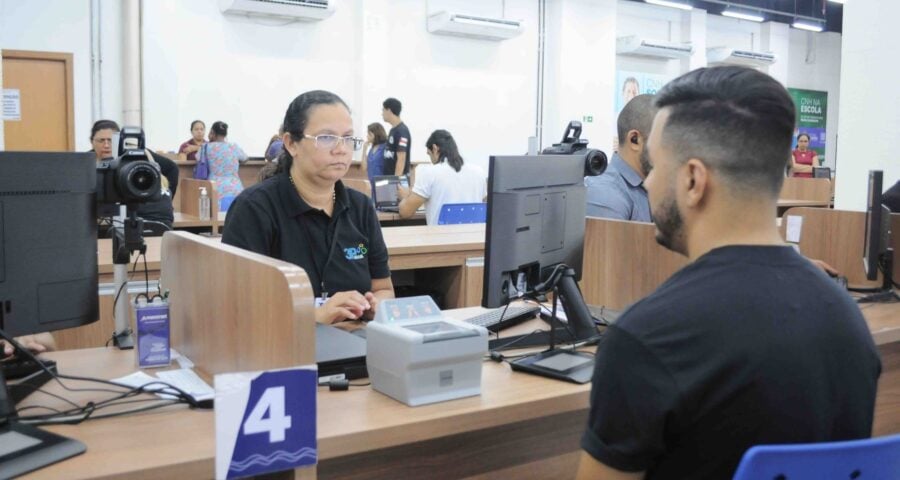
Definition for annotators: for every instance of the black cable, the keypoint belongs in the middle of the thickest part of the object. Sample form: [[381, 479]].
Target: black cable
[[122, 287]]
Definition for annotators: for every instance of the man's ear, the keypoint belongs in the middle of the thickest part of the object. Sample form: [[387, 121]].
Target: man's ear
[[696, 182], [634, 140]]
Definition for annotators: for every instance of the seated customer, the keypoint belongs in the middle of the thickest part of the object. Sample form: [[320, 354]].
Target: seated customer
[[223, 160], [738, 348], [159, 215], [619, 192], [304, 215], [188, 150], [447, 180]]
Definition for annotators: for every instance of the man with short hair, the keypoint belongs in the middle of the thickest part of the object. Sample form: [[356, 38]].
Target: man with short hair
[[396, 155], [619, 192], [749, 344]]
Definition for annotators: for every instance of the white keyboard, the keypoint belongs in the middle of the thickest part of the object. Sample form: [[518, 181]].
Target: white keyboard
[[188, 381]]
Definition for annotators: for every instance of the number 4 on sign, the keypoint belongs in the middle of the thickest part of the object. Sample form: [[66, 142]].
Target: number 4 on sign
[[268, 416]]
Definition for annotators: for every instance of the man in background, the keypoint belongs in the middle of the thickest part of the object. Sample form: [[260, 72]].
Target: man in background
[[619, 192], [396, 155]]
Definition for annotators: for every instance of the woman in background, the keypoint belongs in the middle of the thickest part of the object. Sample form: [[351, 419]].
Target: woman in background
[[803, 159], [223, 159], [447, 180], [276, 145], [373, 153], [188, 150]]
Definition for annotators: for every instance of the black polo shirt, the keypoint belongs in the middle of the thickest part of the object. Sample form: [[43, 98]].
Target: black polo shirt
[[398, 142], [344, 252]]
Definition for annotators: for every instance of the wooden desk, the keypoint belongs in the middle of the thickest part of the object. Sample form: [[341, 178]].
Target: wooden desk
[[184, 220], [438, 254], [520, 427]]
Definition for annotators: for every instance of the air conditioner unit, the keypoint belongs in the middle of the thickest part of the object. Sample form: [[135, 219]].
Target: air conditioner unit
[[636, 46], [732, 56], [446, 23], [304, 10]]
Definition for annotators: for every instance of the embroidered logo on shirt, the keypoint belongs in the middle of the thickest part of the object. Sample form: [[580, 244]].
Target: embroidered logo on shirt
[[356, 253], [404, 141]]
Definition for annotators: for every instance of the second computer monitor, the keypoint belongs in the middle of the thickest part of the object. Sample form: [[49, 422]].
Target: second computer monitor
[[535, 222]]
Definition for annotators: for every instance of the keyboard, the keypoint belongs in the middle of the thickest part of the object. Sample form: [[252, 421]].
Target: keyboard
[[512, 316], [188, 381]]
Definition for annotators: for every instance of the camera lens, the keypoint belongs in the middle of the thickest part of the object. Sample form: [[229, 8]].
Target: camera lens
[[594, 163], [138, 182]]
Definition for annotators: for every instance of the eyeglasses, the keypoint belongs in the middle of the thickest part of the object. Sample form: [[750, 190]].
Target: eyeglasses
[[330, 142]]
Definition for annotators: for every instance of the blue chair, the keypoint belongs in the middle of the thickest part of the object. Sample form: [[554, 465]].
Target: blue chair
[[225, 202], [455, 213], [874, 458]]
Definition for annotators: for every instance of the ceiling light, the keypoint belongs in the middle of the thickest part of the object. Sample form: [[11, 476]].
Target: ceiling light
[[668, 3], [809, 25], [743, 14]]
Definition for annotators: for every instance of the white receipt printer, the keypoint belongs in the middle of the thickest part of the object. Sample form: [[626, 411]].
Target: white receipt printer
[[416, 356]]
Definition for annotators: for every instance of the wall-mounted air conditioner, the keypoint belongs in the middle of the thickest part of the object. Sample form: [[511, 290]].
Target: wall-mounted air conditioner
[[446, 23], [731, 56], [636, 46], [304, 10]]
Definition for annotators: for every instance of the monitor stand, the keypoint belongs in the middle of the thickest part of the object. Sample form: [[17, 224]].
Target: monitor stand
[[25, 448], [565, 364], [886, 292]]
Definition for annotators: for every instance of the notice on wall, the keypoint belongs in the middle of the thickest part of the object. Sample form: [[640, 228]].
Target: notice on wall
[[12, 105], [811, 108]]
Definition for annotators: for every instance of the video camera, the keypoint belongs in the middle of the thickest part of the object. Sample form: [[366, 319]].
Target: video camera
[[131, 178], [595, 161]]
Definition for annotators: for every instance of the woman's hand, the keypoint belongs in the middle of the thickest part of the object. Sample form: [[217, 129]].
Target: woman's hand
[[37, 343], [341, 306]]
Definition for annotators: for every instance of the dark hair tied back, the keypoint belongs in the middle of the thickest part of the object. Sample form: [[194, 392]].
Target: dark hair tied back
[[220, 128], [297, 116]]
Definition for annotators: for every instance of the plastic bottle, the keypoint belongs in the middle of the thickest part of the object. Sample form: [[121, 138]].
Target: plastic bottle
[[204, 204]]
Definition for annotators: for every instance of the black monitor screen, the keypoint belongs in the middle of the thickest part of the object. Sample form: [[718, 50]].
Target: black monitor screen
[[48, 243], [535, 221], [871, 247]]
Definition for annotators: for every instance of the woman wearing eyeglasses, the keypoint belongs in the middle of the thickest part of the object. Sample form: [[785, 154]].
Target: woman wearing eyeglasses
[[304, 215]]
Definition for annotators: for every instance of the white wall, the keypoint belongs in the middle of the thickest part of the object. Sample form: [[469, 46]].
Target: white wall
[[869, 104], [55, 26], [199, 63], [815, 64]]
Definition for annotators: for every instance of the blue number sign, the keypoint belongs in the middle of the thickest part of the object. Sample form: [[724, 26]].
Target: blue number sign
[[265, 421]]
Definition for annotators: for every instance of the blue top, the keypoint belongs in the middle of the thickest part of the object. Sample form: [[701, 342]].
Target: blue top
[[375, 162], [618, 193]]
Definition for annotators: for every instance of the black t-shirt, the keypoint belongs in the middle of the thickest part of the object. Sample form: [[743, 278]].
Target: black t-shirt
[[398, 142], [347, 248], [747, 345]]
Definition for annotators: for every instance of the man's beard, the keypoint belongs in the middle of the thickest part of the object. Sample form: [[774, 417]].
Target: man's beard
[[669, 224]]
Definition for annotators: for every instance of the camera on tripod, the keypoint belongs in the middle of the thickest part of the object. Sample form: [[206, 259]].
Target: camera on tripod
[[595, 161], [131, 178]]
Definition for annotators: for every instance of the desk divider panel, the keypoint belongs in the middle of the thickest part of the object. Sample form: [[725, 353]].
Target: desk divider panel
[[835, 237], [797, 188], [189, 189], [232, 310], [623, 263]]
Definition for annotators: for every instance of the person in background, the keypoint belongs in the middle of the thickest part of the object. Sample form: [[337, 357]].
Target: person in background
[[737, 348], [188, 150], [447, 180], [803, 159], [396, 155], [223, 159], [276, 145], [619, 191], [304, 215], [159, 215], [891, 198], [373, 153]]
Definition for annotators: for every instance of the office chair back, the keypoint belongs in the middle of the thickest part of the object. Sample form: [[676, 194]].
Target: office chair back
[[873, 458], [455, 213]]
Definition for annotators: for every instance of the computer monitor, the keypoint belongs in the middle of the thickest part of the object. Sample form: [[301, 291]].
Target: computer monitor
[[822, 172], [535, 225], [385, 190], [48, 243], [877, 251]]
